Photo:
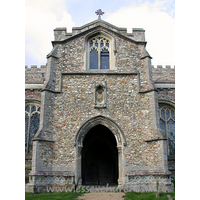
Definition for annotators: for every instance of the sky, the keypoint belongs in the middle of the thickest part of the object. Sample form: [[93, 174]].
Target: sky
[[157, 17]]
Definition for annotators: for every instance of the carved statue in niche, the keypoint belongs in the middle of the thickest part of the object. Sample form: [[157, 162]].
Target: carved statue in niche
[[100, 94]]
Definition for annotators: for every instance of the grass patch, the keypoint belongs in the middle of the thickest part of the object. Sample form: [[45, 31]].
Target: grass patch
[[75, 195], [53, 196], [147, 195]]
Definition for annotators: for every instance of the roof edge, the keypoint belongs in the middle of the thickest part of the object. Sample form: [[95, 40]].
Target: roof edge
[[98, 27]]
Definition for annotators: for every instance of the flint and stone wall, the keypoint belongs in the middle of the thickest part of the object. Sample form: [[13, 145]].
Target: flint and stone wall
[[68, 101]]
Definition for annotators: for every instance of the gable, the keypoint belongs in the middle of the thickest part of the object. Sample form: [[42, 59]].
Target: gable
[[61, 34]]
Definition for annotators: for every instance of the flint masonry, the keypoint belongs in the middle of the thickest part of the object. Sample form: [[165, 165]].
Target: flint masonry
[[99, 113]]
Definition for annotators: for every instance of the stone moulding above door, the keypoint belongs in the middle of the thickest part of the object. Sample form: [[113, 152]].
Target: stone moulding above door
[[110, 124]]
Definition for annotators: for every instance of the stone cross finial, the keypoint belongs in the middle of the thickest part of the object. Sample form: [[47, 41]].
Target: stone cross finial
[[99, 12]]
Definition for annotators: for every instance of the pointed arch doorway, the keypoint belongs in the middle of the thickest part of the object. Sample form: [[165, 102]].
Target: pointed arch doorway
[[98, 141], [99, 157]]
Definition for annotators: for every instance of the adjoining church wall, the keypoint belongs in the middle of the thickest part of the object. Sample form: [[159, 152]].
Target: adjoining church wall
[[33, 94], [166, 94], [34, 80], [35, 75], [163, 74], [164, 80]]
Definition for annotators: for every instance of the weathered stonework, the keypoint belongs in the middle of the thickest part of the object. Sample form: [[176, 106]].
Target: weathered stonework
[[33, 94], [74, 99]]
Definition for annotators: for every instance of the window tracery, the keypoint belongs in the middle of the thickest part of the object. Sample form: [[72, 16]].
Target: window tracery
[[99, 53], [167, 125], [32, 119]]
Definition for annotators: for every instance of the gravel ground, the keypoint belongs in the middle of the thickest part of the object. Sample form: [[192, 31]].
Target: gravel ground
[[102, 196]]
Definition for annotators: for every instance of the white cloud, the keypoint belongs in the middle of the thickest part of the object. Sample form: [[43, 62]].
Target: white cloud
[[42, 17], [159, 29]]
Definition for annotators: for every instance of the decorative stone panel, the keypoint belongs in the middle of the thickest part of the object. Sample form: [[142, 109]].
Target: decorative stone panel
[[150, 183], [46, 180]]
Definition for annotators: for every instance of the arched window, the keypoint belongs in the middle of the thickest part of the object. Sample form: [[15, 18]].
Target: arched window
[[167, 125], [100, 51], [99, 48], [32, 119]]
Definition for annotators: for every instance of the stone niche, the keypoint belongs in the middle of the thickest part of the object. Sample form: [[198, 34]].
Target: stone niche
[[100, 95]]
